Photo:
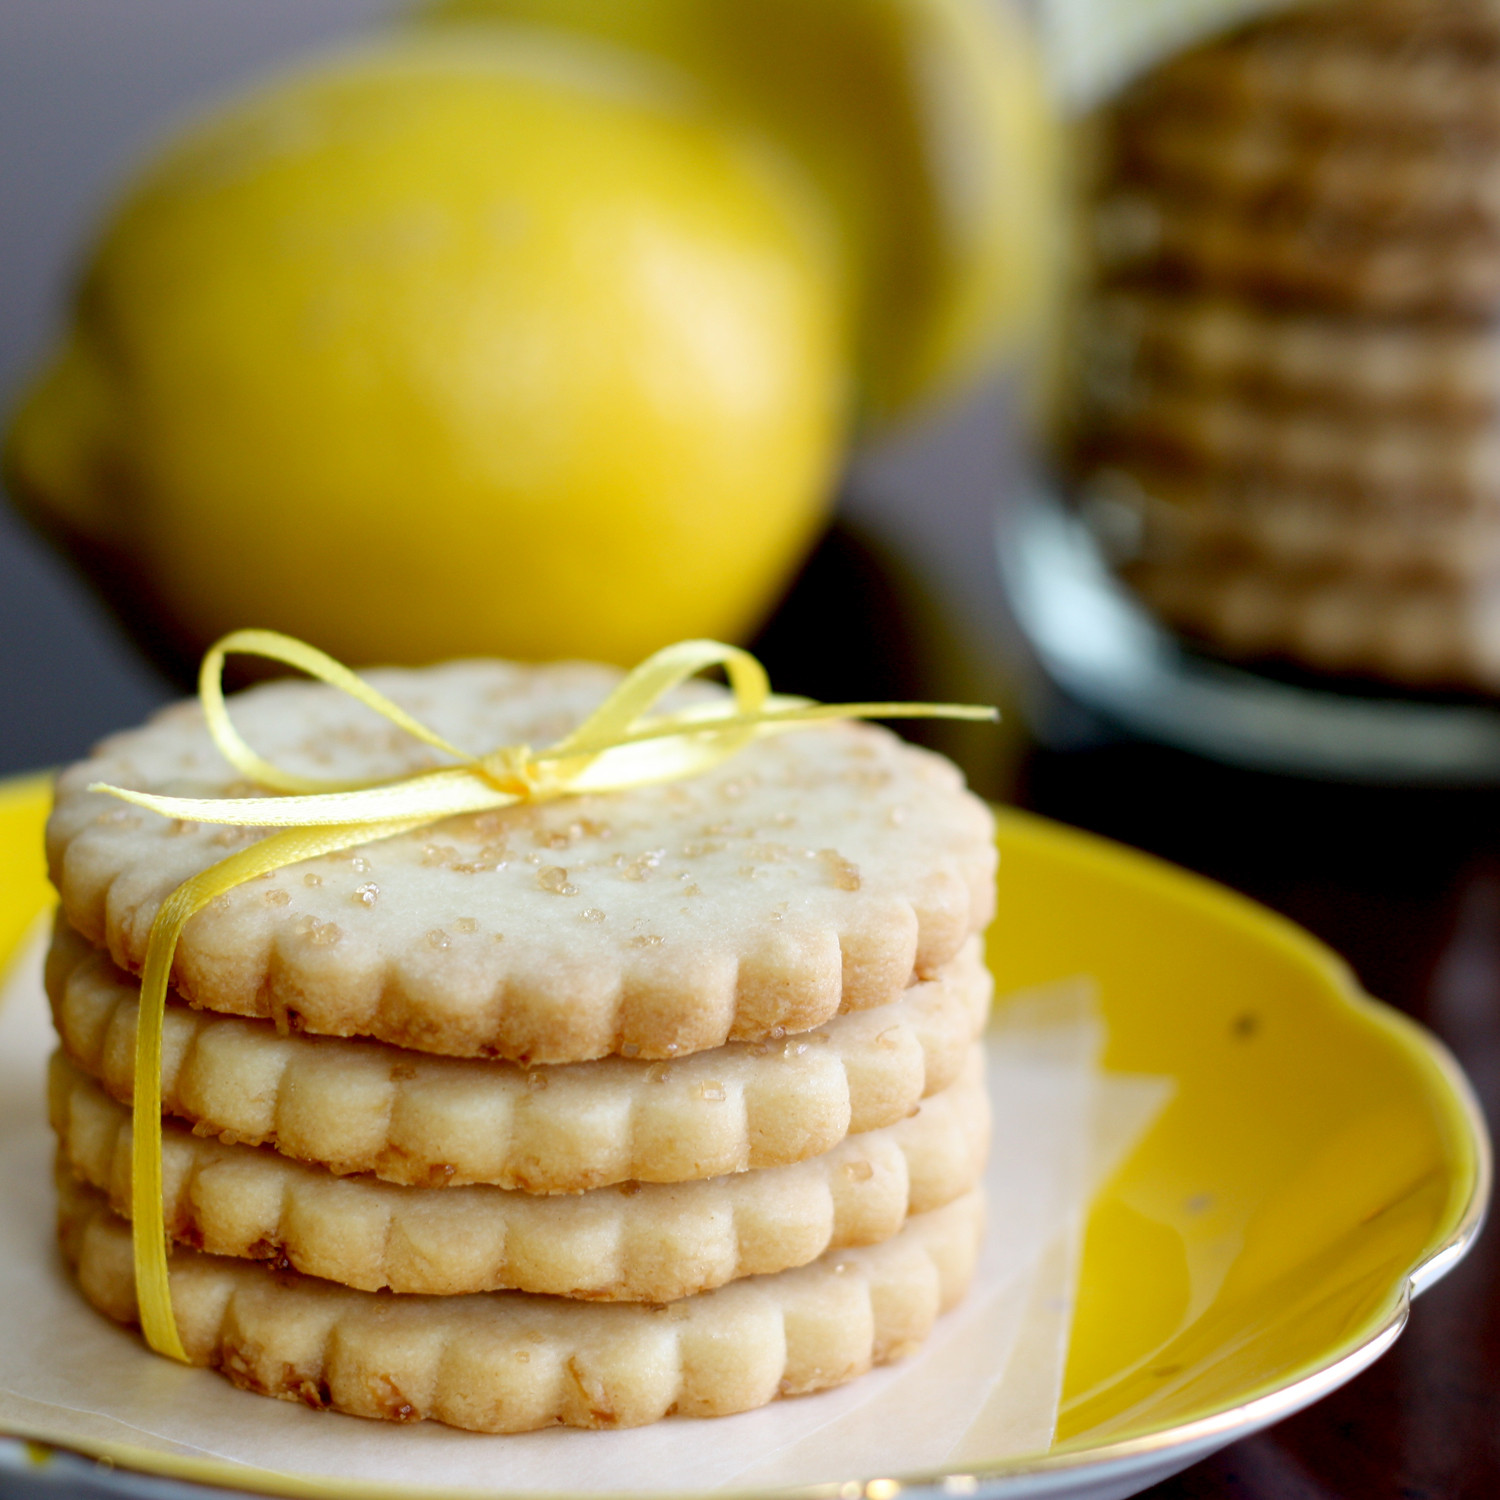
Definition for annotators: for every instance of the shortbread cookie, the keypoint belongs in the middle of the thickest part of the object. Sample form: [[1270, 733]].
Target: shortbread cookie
[[1301, 534], [1365, 67], [1329, 157], [509, 1362], [363, 1106], [815, 872], [651, 1243], [1416, 458], [1142, 340], [1417, 179], [1227, 249], [1422, 634]]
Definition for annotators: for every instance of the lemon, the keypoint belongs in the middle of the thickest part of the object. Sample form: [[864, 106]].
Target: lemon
[[452, 344], [926, 126]]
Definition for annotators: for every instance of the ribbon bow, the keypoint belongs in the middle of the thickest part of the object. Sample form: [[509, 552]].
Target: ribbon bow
[[622, 744]]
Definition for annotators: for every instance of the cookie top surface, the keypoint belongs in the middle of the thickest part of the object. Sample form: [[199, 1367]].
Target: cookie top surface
[[815, 872]]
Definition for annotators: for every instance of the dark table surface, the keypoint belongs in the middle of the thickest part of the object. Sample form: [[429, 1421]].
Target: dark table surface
[[1404, 884]]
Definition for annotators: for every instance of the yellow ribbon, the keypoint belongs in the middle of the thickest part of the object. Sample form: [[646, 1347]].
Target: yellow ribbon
[[622, 744]]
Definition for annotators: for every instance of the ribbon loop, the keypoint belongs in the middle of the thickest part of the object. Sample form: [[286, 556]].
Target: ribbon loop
[[627, 706], [624, 743], [289, 651]]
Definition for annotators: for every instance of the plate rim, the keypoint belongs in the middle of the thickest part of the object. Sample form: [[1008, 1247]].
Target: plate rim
[[1262, 1407]]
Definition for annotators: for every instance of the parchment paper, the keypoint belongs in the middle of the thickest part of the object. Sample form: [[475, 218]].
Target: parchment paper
[[986, 1385]]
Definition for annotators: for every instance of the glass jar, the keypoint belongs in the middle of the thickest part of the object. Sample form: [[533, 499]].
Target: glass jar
[[1278, 444]]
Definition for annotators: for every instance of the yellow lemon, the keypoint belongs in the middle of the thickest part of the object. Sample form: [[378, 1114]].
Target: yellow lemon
[[452, 344], [925, 125]]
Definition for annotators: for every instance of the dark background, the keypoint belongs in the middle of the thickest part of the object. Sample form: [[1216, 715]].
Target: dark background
[[902, 598]]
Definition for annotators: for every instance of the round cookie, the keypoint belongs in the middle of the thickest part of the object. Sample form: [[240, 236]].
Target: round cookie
[[510, 1362], [1348, 67], [1302, 533], [652, 1243], [1148, 235], [1425, 634], [363, 1106], [1270, 166], [1141, 339], [815, 872], [1221, 433], [1332, 157]]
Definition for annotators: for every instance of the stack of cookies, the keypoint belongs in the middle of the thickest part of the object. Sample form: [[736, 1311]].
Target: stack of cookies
[[1291, 384], [586, 1111]]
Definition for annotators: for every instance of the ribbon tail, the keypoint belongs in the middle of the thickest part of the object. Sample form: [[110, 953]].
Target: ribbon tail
[[148, 1216], [429, 796]]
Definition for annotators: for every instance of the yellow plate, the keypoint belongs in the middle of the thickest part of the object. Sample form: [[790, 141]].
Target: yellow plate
[[1322, 1160], [24, 892]]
